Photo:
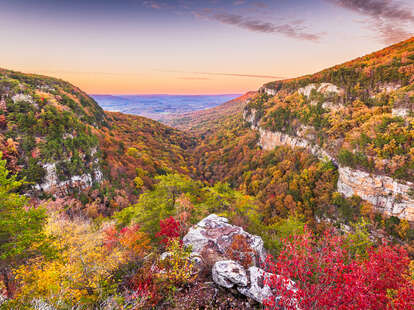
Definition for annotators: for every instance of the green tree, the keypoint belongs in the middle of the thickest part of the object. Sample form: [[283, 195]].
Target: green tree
[[159, 203], [21, 229]]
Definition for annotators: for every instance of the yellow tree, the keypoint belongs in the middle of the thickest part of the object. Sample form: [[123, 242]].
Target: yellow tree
[[82, 273]]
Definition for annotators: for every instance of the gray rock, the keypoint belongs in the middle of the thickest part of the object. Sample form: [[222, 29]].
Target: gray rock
[[215, 232], [229, 273], [3, 299], [211, 238], [165, 255], [39, 304], [387, 195], [257, 289]]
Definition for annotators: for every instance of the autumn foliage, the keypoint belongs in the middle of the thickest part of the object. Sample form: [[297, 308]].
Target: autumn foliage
[[329, 276], [169, 230], [133, 242]]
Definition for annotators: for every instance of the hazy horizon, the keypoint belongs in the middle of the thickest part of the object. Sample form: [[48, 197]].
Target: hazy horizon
[[156, 106]]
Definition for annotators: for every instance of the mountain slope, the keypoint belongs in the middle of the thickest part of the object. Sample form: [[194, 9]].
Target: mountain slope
[[47, 131], [61, 140], [359, 115], [208, 120], [134, 146]]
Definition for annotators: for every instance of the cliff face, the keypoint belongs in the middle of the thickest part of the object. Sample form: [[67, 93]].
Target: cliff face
[[387, 195], [359, 115], [53, 184], [269, 139]]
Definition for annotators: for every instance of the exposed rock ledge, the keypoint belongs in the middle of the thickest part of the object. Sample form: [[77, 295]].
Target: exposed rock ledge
[[54, 186], [212, 238], [387, 195], [324, 88], [269, 91], [402, 112], [384, 193], [269, 140]]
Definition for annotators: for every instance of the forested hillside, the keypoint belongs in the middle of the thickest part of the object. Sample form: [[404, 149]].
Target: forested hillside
[[291, 144], [361, 112], [48, 131], [298, 196], [209, 120]]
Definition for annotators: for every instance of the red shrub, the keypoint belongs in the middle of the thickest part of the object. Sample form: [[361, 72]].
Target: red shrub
[[145, 291], [329, 277], [169, 229], [130, 240]]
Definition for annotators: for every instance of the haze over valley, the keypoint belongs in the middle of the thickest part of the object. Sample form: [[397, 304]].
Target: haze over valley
[[159, 107]]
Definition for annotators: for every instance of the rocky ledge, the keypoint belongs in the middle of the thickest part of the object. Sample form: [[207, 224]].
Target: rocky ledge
[[387, 195], [232, 256]]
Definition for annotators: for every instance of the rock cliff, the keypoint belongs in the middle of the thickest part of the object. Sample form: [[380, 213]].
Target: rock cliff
[[387, 195]]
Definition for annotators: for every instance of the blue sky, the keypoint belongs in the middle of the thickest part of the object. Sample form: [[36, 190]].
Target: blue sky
[[181, 46]]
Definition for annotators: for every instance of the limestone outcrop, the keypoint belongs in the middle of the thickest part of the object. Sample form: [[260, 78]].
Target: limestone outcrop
[[402, 112], [53, 185], [269, 140], [388, 196], [215, 235], [269, 91], [323, 88]]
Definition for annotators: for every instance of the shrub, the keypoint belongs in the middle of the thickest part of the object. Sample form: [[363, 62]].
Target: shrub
[[169, 230], [178, 267], [329, 277]]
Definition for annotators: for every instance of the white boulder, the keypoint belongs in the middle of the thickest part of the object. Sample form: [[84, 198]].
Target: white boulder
[[229, 273], [215, 232], [258, 289]]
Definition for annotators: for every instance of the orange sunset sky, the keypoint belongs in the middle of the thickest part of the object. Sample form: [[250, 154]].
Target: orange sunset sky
[[192, 47]]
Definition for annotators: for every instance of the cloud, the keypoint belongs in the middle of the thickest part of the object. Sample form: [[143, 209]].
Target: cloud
[[386, 9], [390, 33], [239, 2], [386, 17], [152, 4], [290, 30], [260, 5], [241, 75]]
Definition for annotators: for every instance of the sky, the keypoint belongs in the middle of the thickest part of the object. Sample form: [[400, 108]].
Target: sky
[[192, 46]]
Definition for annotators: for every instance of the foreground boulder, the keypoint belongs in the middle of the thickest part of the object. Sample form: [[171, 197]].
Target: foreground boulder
[[233, 257], [258, 289], [228, 273], [215, 234]]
